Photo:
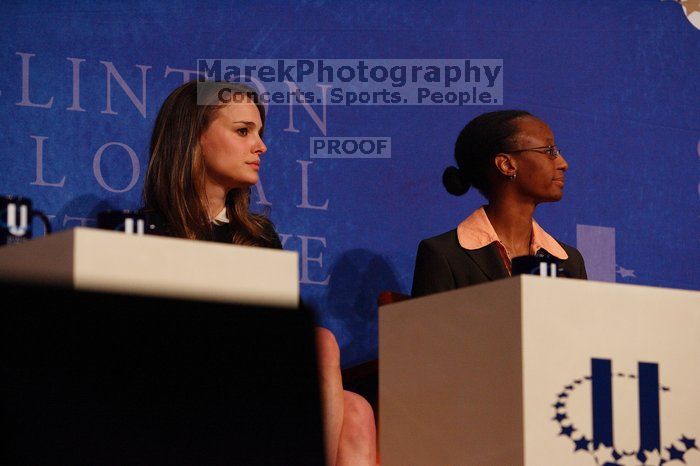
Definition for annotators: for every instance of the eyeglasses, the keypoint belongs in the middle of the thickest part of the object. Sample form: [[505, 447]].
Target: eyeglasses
[[552, 151]]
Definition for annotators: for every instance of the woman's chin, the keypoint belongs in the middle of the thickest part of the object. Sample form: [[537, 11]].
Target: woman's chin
[[553, 197], [243, 183], [557, 197]]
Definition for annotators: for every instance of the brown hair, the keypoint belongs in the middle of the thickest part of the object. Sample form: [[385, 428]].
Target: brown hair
[[174, 184]]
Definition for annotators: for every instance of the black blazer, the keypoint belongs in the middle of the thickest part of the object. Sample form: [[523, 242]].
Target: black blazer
[[442, 264]]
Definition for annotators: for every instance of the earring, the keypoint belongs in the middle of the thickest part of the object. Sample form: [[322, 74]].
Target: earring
[[512, 176]]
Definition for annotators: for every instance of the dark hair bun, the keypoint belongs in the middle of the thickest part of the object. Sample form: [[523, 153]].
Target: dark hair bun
[[454, 182]]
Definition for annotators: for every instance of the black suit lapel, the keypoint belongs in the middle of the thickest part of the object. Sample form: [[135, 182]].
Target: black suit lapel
[[489, 261]]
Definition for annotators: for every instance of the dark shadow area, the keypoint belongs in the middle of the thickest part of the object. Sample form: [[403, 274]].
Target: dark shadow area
[[95, 378], [357, 279], [82, 211]]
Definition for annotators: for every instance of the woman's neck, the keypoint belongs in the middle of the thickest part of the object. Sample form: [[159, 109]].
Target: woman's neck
[[216, 201], [513, 224]]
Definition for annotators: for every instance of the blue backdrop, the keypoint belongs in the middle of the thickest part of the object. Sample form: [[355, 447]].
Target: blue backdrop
[[617, 81]]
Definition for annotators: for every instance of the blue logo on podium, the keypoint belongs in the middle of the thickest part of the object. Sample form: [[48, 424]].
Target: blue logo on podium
[[601, 443]]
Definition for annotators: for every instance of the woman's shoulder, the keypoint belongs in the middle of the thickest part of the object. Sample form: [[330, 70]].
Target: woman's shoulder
[[575, 264], [270, 233], [571, 251], [266, 238], [443, 242], [446, 238], [220, 232]]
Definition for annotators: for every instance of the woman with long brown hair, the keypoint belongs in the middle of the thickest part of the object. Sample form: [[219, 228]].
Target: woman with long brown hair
[[205, 154]]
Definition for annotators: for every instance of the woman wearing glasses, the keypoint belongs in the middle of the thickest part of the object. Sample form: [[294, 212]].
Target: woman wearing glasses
[[510, 158]]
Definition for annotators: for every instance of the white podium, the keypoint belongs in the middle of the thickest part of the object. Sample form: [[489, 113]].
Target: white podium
[[99, 260], [538, 371]]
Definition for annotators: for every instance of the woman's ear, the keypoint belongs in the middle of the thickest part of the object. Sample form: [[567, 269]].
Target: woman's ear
[[505, 164]]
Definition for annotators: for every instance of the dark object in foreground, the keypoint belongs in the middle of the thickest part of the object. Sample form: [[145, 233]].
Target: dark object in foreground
[[96, 378]]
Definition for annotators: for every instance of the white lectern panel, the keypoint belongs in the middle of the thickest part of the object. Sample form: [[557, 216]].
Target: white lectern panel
[[538, 371], [99, 260]]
